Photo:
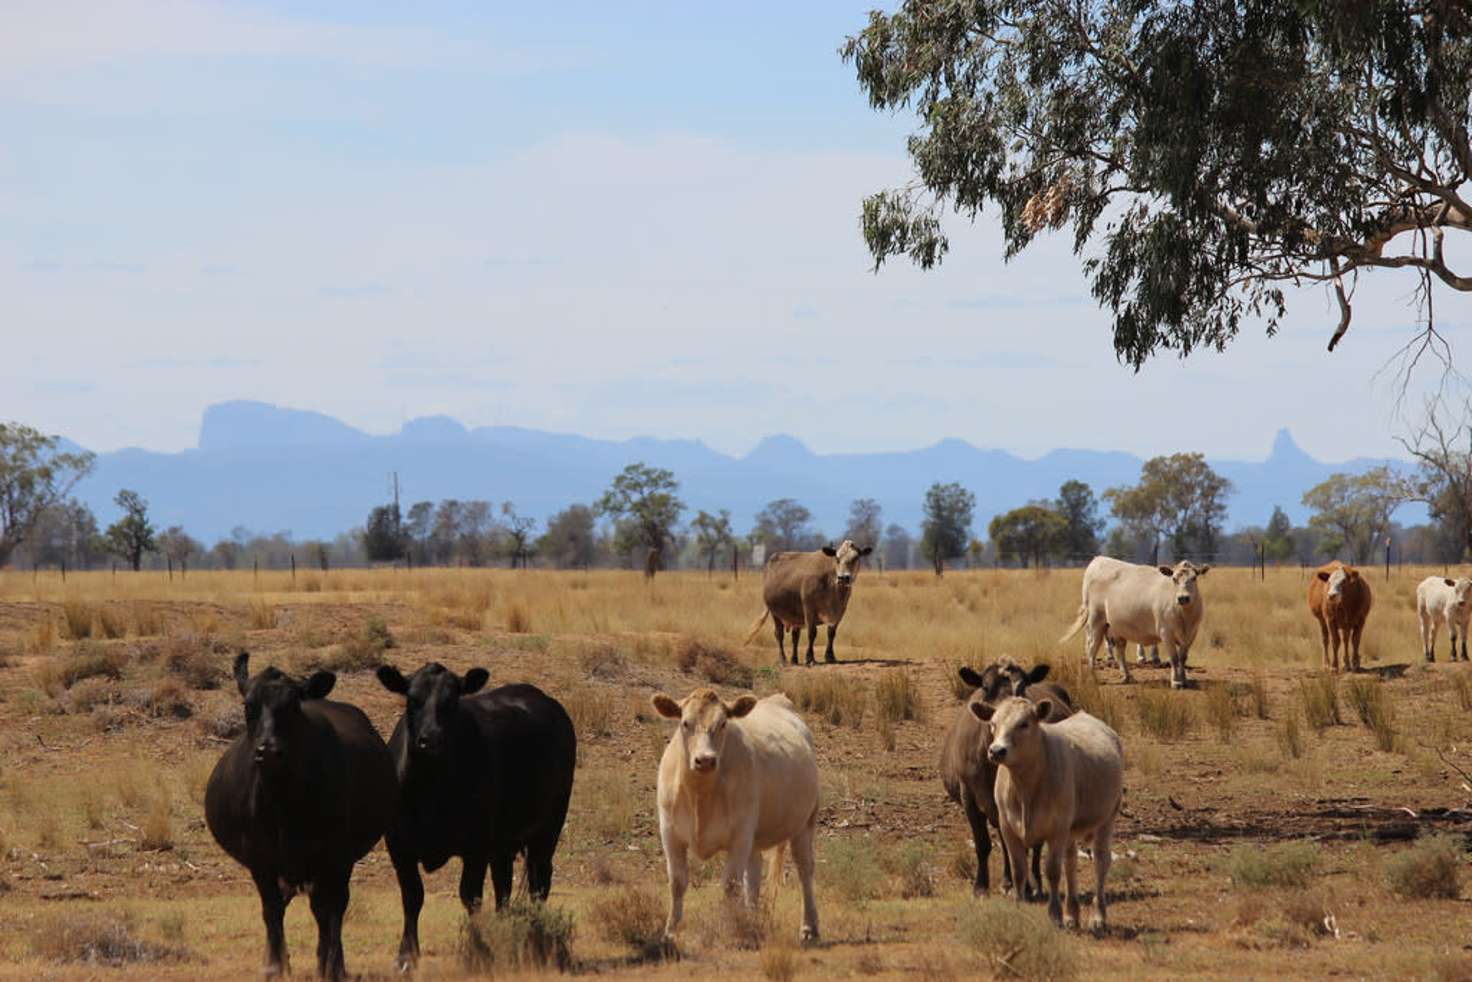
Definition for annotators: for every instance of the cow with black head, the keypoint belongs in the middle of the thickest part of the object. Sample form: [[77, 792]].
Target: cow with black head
[[484, 776], [297, 799]]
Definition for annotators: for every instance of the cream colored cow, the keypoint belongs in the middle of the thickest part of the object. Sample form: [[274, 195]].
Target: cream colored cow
[[738, 778], [1123, 602], [1444, 601]]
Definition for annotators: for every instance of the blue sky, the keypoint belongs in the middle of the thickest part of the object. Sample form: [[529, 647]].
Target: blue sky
[[617, 220]]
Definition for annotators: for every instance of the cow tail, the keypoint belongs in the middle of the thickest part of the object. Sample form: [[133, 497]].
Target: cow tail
[[774, 874], [1078, 623], [757, 625]]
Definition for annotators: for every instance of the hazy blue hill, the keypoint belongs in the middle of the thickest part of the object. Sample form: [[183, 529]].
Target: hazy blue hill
[[271, 469]]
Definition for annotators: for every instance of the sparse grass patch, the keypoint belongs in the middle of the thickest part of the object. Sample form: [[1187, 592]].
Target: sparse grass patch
[[111, 623], [157, 831], [1282, 864], [96, 938], [734, 925], [78, 618], [87, 660], [912, 865], [632, 916], [606, 804], [194, 660], [830, 697], [43, 636], [1221, 711], [591, 711], [1290, 734], [1163, 714], [169, 698], [147, 621], [1462, 688], [1017, 941], [1430, 868], [91, 692], [712, 663], [260, 615], [525, 936], [897, 697], [517, 619], [1257, 694], [848, 866], [603, 661], [779, 961], [1319, 697]]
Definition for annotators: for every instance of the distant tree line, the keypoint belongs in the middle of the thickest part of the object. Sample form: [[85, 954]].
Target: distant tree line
[[1175, 510]]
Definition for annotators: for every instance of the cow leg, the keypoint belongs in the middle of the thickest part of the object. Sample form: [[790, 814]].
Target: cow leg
[[1324, 638], [1429, 630], [812, 640], [411, 891], [1013, 845], [796, 642], [1177, 665], [1070, 884], [754, 879], [273, 912], [1094, 635], [678, 867], [781, 641], [1464, 642], [539, 853], [828, 655], [1355, 637], [981, 839], [1033, 888], [473, 876], [804, 860], [1334, 636], [329, 903], [738, 855], [1103, 843], [1055, 873]]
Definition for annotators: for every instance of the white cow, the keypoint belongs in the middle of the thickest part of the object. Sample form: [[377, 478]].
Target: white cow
[[738, 778], [1059, 784], [1141, 604], [1440, 600]]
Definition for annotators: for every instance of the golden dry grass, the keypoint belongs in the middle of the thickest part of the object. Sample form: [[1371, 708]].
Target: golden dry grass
[[108, 741]]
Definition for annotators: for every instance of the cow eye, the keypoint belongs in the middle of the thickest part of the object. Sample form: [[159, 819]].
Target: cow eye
[[687, 724]]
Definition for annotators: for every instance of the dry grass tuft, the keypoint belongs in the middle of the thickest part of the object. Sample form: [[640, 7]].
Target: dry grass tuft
[[1370, 703], [1016, 941], [833, 698], [43, 636], [1221, 711], [111, 623], [524, 937], [591, 711], [157, 832], [96, 939], [633, 916], [517, 619], [260, 615], [1164, 714], [604, 661], [1290, 735], [1462, 688], [1430, 868], [361, 652], [148, 622], [78, 618], [90, 693], [1257, 694], [1319, 697], [851, 870], [1283, 864], [897, 697], [913, 866], [169, 698], [87, 660], [195, 660], [779, 961], [712, 663]]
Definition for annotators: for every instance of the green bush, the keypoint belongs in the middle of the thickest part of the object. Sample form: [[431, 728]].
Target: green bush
[[1430, 868], [1284, 864]]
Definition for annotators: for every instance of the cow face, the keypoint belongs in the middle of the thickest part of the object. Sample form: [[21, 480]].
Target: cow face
[[273, 709], [1338, 578], [847, 556], [701, 735], [431, 702], [1019, 678], [1184, 575], [1461, 593], [1016, 726]]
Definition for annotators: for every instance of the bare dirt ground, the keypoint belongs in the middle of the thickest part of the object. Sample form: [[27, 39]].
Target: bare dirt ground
[[101, 780]]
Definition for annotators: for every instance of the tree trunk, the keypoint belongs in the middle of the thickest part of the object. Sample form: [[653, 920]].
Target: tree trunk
[[939, 565]]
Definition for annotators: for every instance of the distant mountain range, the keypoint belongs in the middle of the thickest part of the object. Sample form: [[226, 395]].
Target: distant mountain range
[[272, 469]]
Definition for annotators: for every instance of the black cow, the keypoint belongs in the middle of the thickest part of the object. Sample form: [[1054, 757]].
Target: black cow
[[297, 799], [482, 777]]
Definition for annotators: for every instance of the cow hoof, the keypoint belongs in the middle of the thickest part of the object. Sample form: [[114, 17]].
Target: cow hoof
[[808, 935], [1097, 926], [1177, 685], [830, 659]]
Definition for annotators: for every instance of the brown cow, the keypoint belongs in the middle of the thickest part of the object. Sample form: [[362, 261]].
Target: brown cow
[[967, 774], [805, 589], [1339, 599]]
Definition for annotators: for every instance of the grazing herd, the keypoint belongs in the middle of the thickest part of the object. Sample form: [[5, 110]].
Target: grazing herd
[[486, 775]]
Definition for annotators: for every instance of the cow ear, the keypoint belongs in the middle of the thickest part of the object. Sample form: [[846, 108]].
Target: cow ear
[[475, 680], [1038, 673], [829, 551], [1450, 582], [665, 706], [1204, 570], [741, 707], [1166, 571], [1323, 575], [241, 671], [1044, 709], [981, 710], [392, 679], [319, 685], [971, 677], [1351, 574], [866, 550]]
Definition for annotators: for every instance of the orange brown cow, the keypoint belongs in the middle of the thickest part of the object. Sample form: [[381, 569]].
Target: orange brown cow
[[1339, 599]]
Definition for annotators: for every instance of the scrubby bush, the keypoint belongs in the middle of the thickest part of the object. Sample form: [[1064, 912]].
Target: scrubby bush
[[712, 663], [1283, 864], [95, 938], [1430, 868], [632, 916], [523, 937], [1016, 941]]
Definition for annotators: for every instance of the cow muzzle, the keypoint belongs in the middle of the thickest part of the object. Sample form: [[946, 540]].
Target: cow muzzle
[[845, 578], [705, 763], [1184, 600], [268, 752], [996, 754]]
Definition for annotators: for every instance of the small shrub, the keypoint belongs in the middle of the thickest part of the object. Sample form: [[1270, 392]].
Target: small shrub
[[89, 693], [194, 660], [591, 712], [1283, 864], [523, 937], [1221, 711], [713, 663], [376, 632], [78, 617], [963, 862], [887, 737], [1257, 694], [1290, 735], [157, 833], [1017, 941], [171, 927], [518, 619], [96, 939], [1430, 868], [169, 699], [912, 867], [897, 697], [1163, 714], [226, 725], [632, 916], [147, 621], [605, 662], [834, 698], [735, 926], [1319, 697], [111, 624], [851, 869], [260, 615]]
